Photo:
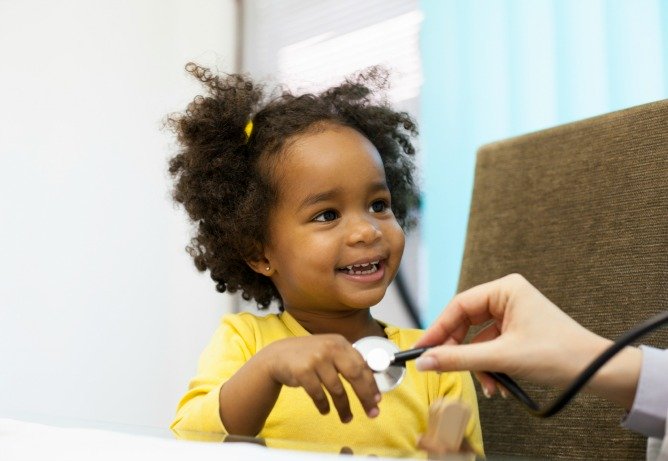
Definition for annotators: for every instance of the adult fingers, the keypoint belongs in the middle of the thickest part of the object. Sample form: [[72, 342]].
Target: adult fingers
[[488, 333], [471, 307], [474, 357], [487, 383]]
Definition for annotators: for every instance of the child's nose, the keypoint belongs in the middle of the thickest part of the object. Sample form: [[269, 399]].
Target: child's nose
[[364, 231]]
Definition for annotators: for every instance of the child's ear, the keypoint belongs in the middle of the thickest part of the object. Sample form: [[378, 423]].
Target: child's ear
[[261, 265], [258, 259]]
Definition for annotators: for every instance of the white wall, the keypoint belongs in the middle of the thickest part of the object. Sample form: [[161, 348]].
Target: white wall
[[102, 314]]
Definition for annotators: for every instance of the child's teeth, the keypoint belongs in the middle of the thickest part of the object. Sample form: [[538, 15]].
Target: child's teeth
[[362, 268], [373, 268]]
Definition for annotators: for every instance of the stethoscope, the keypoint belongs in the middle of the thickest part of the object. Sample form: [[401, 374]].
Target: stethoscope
[[388, 363]]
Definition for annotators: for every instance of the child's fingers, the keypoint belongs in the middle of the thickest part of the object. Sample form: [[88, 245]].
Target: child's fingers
[[329, 378], [355, 370], [314, 389]]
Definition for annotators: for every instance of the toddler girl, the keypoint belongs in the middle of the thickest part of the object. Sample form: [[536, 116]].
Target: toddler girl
[[301, 200]]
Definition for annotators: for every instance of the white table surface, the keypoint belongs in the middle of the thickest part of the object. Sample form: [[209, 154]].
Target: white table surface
[[22, 440]]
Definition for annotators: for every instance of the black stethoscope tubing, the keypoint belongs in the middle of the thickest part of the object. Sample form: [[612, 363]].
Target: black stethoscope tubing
[[578, 383]]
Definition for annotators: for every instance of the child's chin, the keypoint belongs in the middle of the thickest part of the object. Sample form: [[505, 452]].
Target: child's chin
[[366, 302]]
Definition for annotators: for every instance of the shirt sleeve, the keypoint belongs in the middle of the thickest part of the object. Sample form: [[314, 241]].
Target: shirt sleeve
[[650, 405], [227, 351]]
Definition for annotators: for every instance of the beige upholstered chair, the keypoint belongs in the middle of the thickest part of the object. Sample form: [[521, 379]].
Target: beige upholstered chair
[[581, 210]]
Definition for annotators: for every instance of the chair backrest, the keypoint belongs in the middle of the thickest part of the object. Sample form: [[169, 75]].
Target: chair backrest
[[581, 210]]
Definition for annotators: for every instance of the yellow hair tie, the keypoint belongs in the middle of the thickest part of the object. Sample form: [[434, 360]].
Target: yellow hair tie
[[249, 129]]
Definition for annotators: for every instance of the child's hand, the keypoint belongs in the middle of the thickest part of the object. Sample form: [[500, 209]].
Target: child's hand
[[314, 362]]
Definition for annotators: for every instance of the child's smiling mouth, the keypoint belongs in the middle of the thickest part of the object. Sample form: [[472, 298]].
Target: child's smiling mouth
[[368, 271], [361, 269]]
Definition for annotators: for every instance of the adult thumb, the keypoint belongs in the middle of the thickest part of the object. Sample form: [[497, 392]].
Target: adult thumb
[[462, 357]]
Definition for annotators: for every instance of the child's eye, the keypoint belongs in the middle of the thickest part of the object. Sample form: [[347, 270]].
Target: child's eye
[[378, 206], [327, 215]]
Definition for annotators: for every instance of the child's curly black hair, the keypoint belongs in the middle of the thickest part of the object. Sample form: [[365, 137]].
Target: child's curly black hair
[[224, 179]]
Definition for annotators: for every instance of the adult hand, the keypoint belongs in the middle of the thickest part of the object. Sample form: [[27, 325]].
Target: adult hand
[[528, 337]]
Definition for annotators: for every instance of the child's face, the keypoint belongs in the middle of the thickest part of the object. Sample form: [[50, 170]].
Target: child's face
[[333, 212]]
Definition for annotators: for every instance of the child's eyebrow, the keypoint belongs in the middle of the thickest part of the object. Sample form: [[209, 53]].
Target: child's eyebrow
[[313, 199]]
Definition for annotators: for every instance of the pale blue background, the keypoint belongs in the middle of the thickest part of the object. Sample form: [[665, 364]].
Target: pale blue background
[[499, 68]]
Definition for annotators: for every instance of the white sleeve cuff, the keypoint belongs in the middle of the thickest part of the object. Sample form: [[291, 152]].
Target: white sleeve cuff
[[648, 413]]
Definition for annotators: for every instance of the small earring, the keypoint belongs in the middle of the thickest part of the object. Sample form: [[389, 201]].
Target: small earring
[[267, 268]]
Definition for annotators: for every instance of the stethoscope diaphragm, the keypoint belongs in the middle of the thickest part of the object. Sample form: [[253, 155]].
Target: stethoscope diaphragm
[[378, 353]]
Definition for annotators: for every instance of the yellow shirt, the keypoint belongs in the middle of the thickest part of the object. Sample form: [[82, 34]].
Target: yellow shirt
[[403, 410]]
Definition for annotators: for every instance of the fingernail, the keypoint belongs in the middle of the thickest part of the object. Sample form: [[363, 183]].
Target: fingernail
[[486, 392], [425, 363], [373, 412], [504, 393], [377, 397], [346, 419]]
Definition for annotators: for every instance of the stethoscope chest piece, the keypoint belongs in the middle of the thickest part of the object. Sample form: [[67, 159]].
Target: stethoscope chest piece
[[378, 353]]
